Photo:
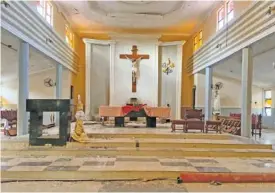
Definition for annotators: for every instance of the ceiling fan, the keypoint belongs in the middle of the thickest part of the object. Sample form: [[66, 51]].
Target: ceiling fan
[[217, 86]]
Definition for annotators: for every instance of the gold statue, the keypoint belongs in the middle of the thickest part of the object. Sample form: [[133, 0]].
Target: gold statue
[[79, 133]]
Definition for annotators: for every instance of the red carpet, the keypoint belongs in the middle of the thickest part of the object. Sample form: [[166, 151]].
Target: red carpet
[[227, 177]]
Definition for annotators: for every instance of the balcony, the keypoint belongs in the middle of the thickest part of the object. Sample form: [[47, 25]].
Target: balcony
[[253, 25], [21, 20]]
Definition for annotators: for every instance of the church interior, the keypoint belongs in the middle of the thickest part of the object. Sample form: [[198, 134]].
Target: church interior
[[105, 96]]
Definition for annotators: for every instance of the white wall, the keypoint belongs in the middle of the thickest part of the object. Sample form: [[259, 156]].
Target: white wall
[[100, 76], [168, 82], [230, 93], [37, 90], [231, 98], [147, 87]]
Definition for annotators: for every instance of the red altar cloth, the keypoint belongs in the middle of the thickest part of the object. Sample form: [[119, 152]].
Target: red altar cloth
[[128, 108], [118, 111]]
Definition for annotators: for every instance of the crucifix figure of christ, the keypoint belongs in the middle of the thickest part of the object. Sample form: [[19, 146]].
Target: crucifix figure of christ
[[135, 58]]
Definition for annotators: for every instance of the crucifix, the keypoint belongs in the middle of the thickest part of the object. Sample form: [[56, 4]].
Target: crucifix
[[135, 59]]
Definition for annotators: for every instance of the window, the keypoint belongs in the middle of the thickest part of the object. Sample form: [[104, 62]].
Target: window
[[45, 9], [221, 18], [69, 36], [195, 43], [200, 39], [225, 14], [230, 10], [267, 102]]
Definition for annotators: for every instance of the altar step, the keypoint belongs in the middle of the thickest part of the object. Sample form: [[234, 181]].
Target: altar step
[[153, 135], [122, 151], [146, 143], [19, 146]]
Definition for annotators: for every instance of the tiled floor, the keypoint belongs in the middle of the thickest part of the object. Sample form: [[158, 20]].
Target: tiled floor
[[131, 163], [133, 186]]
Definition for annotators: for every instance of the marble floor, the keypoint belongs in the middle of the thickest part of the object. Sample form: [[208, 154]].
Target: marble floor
[[133, 186], [137, 163]]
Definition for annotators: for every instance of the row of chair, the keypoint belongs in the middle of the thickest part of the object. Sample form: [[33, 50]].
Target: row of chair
[[232, 124]]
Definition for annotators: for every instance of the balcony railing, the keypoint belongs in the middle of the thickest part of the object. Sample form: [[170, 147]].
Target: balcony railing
[[21, 20]]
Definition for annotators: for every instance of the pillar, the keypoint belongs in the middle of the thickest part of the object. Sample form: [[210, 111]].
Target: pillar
[[112, 73], [208, 93], [247, 75], [58, 88], [273, 107], [88, 53], [23, 88]]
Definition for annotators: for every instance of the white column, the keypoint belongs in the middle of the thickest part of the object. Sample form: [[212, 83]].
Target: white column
[[208, 93], [88, 52], [23, 88], [273, 107], [112, 73], [155, 76], [247, 75], [178, 80], [58, 88]]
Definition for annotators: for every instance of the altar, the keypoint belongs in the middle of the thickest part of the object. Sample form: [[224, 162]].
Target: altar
[[120, 112], [133, 67]]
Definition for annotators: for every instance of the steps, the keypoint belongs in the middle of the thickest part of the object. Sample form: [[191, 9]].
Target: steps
[[109, 156]]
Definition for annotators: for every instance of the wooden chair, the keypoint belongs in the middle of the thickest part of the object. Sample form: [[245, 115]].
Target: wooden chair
[[211, 125], [192, 124], [183, 111], [194, 114], [257, 125], [178, 122], [181, 121], [11, 117]]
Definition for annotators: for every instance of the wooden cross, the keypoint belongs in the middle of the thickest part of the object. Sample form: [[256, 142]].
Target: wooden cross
[[133, 57]]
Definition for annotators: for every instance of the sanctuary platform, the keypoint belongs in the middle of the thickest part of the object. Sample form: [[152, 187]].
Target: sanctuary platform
[[140, 153]]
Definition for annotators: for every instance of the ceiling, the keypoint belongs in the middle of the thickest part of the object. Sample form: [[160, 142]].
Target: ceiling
[[263, 63], [9, 58], [176, 17]]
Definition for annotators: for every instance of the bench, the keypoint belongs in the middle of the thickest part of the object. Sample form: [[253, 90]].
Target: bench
[[178, 122]]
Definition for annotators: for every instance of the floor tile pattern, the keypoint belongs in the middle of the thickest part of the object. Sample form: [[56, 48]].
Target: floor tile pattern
[[192, 164]]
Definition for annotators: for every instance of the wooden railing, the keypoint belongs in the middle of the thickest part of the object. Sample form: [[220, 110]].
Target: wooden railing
[[251, 26], [21, 20]]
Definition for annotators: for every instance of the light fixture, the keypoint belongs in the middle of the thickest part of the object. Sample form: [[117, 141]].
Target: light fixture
[[9, 46], [273, 65]]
